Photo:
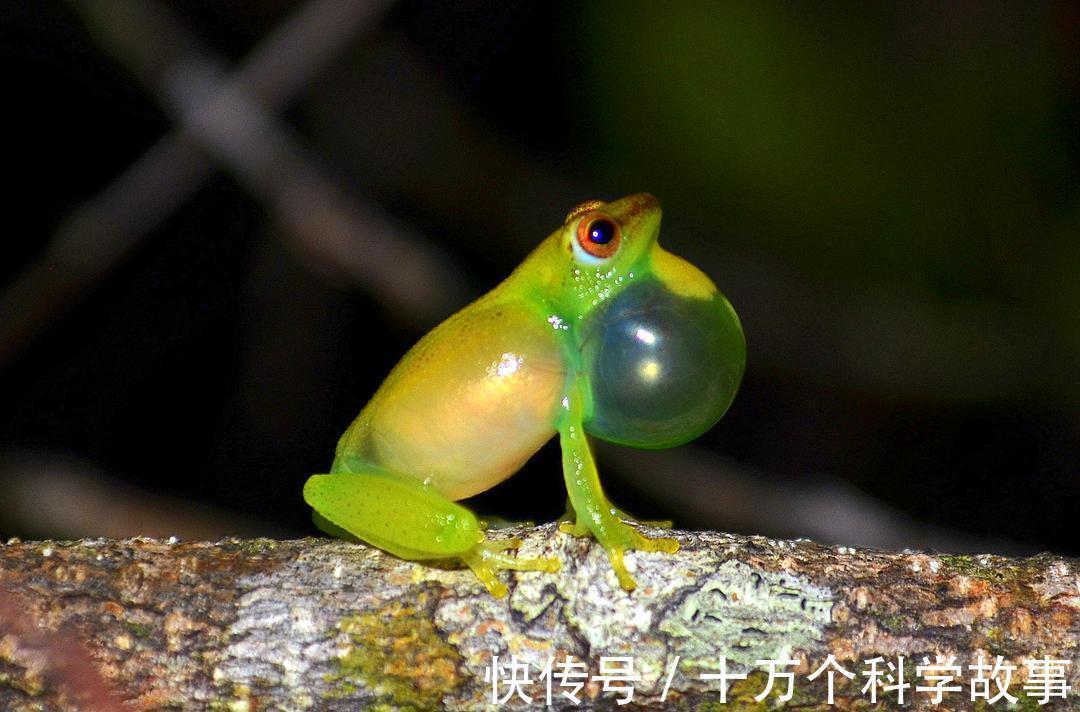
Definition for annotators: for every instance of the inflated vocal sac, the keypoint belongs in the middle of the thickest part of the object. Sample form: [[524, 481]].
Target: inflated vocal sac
[[662, 367]]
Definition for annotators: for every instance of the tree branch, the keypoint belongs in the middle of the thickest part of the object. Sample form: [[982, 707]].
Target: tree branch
[[322, 624]]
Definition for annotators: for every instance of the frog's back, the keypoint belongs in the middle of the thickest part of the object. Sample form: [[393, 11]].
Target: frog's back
[[468, 404]]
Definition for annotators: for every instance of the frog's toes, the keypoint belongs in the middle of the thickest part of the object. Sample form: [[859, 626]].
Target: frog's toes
[[666, 544], [573, 526], [570, 515], [496, 545], [655, 523], [489, 557], [487, 576], [620, 538]]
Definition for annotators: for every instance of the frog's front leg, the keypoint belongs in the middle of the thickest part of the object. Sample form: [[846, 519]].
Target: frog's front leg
[[413, 522], [593, 512]]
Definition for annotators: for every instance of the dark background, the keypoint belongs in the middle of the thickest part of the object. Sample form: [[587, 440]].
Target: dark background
[[890, 197]]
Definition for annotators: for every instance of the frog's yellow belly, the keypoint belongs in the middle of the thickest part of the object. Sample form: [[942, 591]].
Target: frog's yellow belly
[[470, 403]]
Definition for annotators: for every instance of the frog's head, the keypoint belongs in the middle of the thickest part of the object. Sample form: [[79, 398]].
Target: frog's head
[[662, 349]]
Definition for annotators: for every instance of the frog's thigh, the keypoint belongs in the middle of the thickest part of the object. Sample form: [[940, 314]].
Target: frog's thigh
[[400, 516]]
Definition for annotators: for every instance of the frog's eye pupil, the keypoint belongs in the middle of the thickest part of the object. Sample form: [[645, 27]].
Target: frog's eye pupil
[[601, 231]]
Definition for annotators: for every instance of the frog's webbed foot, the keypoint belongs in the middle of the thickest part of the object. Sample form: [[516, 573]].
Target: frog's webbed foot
[[489, 557], [616, 532], [654, 523], [569, 523], [573, 527], [617, 537]]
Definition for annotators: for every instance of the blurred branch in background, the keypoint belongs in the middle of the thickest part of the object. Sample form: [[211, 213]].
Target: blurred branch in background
[[822, 508], [78, 500], [229, 118]]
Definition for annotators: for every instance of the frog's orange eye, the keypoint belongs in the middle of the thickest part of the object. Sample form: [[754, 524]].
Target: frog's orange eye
[[598, 235]]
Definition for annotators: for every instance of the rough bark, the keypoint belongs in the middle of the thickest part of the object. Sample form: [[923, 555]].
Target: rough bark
[[321, 624]]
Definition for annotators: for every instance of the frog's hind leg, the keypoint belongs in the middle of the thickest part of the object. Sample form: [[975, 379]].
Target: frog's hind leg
[[412, 521]]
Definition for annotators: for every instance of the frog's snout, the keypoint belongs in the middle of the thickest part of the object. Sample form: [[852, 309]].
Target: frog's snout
[[664, 360], [639, 215]]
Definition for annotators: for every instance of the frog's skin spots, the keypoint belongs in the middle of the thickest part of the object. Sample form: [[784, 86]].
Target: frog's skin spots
[[585, 207], [596, 286]]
